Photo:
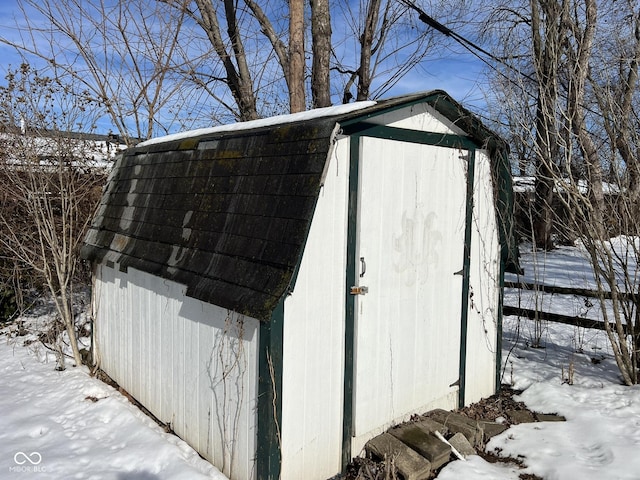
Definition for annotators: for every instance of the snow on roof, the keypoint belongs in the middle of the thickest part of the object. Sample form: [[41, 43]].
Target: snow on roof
[[264, 122]]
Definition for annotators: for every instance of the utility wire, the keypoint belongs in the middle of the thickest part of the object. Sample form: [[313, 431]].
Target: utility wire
[[433, 23], [473, 48], [470, 46]]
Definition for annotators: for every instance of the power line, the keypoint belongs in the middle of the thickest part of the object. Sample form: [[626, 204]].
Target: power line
[[474, 48], [470, 46]]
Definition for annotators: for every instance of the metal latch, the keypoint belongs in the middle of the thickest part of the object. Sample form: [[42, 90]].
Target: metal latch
[[359, 290]]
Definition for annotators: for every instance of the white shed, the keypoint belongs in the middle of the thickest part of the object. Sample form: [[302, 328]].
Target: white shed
[[281, 291]]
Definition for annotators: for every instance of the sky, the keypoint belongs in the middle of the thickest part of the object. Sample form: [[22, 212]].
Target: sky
[[457, 72]]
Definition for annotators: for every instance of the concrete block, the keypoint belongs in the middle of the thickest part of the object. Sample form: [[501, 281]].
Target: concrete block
[[520, 416], [462, 445], [457, 423], [491, 429], [409, 463], [550, 417], [423, 442], [430, 425]]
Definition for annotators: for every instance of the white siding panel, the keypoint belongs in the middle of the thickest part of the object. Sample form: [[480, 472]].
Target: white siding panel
[[137, 302], [483, 288], [314, 338], [420, 117], [192, 364], [411, 227]]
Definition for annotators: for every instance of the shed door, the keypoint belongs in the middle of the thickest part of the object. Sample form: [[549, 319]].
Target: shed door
[[410, 245]]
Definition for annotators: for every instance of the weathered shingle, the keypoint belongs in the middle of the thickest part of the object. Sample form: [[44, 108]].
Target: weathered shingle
[[228, 216]]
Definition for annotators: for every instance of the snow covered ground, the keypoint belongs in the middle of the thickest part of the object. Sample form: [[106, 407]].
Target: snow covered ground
[[601, 438], [68, 425], [65, 425]]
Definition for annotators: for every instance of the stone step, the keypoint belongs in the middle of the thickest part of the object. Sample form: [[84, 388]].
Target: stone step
[[550, 417], [456, 423], [417, 451], [424, 442], [410, 464], [491, 429], [430, 425], [462, 445], [520, 416]]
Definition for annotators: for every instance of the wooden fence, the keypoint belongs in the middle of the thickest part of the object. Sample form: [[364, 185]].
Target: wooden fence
[[560, 318]]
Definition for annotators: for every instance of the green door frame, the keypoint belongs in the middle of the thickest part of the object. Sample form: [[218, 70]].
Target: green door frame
[[363, 129]]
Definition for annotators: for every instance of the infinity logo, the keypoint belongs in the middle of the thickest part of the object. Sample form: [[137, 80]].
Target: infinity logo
[[34, 458]]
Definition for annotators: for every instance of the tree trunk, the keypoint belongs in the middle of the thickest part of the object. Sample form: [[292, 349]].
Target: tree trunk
[[546, 31], [626, 130], [583, 36], [321, 48], [297, 101], [238, 80], [366, 50], [65, 310]]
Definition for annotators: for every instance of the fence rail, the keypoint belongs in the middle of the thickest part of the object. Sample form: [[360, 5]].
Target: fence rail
[[581, 292], [560, 318]]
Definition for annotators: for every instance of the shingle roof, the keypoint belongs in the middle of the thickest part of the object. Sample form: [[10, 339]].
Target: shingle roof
[[225, 215], [224, 212]]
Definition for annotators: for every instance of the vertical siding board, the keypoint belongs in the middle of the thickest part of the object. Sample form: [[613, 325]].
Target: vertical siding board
[[205, 346], [484, 287], [110, 303], [314, 337], [177, 355], [112, 340], [167, 357], [179, 370], [103, 289], [154, 333], [147, 372], [120, 348], [136, 347], [192, 379], [411, 236]]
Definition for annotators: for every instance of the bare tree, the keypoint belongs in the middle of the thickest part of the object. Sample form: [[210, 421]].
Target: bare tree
[[321, 53], [613, 79], [615, 85], [50, 184], [297, 97], [579, 48], [233, 56], [586, 103], [388, 40], [281, 63], [548, 24], [156, 65], [125, 54]]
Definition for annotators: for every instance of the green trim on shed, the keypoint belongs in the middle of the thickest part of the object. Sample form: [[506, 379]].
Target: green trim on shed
[[410, 136], [499, 328], [350, 300], [269, 421], [466, 274]]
